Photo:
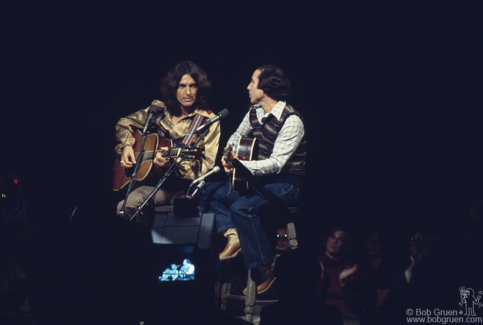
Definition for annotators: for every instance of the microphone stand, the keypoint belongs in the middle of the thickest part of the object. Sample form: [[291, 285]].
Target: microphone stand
[[171, 169], [200, 185], [138, 162]]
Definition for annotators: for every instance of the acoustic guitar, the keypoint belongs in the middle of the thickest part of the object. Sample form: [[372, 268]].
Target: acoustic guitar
[[247, 150], [153, 145]]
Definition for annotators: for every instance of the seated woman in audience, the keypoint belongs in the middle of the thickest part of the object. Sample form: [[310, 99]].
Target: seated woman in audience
[[340, 273]]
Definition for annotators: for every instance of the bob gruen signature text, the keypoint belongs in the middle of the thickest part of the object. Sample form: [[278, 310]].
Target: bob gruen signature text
[[436, 312], [439, 316]]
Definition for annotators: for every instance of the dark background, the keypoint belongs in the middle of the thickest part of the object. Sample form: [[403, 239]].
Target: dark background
[[390, 92]]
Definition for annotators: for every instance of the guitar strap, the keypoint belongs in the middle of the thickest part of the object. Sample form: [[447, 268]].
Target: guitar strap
[[195, 124]]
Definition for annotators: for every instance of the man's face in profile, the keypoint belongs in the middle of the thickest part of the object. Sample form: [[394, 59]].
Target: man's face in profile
[[254, 93]]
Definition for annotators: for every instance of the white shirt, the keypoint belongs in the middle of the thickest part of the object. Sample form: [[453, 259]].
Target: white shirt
[[288, 140]]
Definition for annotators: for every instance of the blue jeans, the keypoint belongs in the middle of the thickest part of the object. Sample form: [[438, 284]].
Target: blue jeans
[[233, 210]]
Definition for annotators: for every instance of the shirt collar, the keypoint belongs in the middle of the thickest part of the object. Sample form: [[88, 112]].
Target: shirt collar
[[276, 111], [202, 112]]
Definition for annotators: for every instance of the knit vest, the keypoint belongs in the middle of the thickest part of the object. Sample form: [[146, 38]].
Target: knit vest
[[266, 135]]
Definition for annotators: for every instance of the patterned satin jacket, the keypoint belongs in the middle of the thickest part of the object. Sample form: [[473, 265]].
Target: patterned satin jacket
[[187, 169]]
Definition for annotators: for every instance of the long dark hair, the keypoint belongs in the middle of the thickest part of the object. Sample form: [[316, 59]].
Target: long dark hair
[[170, 83]]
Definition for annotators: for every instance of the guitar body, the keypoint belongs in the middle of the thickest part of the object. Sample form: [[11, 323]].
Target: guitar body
[[247, 150], [122, 176]]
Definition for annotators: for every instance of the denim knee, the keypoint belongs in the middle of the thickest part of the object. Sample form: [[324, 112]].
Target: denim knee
[[240, 209]]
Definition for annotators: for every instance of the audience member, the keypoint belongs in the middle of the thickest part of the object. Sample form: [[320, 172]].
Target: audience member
[[375, 266], [375, 274], [341, 273], [298, 275], [282, 241], [403, 269], [441, 268]]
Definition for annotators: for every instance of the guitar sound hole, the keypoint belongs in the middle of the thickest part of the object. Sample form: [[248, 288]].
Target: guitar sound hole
[[129, 171]]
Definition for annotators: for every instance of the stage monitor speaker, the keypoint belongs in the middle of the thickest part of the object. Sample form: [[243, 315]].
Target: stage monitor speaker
[[169, 229], [12, 202], [186, 259]]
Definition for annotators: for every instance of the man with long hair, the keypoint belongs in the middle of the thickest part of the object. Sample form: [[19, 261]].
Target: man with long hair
[[280, 167], [185, 91]]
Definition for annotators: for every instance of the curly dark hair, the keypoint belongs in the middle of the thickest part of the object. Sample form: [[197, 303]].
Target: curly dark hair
[[273, 81], [170, 84]]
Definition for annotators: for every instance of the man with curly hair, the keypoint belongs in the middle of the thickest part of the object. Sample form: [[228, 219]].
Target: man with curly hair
[[280, 168], [185, 90]]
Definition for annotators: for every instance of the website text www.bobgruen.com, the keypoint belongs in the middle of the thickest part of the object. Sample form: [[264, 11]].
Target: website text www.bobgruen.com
[[438, 316]]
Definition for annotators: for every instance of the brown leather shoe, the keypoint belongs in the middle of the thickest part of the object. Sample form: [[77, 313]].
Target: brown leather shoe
[[232, 248], [264, 286]]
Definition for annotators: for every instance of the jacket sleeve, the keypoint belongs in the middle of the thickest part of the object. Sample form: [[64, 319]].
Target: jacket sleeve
[[126, 125]]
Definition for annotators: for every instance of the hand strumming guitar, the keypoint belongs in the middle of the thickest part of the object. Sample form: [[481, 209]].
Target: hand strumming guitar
[[128, 158], [227, 166], [226, 160], [160, 160]]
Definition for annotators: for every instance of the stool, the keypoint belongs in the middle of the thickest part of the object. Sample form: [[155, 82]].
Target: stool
[[250, 299]]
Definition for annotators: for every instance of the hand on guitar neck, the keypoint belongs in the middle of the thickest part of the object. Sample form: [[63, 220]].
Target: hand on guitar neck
[[128, 158]]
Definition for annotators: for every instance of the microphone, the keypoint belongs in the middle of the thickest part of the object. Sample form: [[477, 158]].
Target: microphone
[[221, 115], [152, 110], [200, 185], [215, 170]]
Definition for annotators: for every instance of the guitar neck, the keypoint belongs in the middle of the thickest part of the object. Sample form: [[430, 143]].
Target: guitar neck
[[169, 154]]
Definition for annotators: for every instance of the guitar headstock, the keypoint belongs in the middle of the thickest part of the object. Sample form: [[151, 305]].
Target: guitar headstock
[[195, 154]]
